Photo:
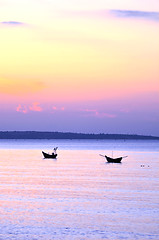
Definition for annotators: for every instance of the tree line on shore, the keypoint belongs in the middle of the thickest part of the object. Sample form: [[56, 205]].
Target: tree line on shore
[[69, 135]]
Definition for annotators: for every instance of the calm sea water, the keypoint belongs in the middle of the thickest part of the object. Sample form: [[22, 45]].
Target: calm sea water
[[79, 195]]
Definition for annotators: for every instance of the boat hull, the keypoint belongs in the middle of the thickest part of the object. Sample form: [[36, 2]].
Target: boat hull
[[46, 155], [113, 160]]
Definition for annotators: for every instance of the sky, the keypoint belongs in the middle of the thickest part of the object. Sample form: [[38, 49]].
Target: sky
[[79, 66]]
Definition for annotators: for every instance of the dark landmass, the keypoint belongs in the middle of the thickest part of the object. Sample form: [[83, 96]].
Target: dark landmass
[[69, 135]]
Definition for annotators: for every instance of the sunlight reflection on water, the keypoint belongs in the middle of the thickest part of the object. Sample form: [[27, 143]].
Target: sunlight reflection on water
[[79, 195]]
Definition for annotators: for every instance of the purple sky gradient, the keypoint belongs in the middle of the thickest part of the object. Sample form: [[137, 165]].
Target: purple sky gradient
[[133, 116]]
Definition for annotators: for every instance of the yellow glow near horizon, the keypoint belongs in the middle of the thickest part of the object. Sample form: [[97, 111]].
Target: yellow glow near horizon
[[77, 57]]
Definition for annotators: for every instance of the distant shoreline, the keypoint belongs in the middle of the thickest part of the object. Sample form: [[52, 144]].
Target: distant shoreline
[[70, 135]]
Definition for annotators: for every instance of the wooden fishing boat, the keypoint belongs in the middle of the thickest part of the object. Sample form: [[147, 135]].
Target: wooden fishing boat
[[113, 160], [47, 155]]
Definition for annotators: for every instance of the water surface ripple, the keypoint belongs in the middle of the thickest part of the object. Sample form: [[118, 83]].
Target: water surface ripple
[[79, 195]]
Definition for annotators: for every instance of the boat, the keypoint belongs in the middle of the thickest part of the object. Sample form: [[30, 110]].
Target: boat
[[47, 155], [113, 160]]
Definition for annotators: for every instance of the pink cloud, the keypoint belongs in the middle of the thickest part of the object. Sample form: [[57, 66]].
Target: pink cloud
[[35, 107], [21, 108]]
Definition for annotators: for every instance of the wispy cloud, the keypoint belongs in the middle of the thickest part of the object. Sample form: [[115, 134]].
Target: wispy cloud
[[108, 115], [12, 23], [54, 108], [96, 113], [106, 13], [154, 16], [90, 112]]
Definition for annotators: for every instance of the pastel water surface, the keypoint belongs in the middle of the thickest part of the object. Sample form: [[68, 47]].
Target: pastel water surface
[[79, 195]]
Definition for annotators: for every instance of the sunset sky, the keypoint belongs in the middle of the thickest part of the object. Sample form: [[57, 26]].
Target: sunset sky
[[80, 66]]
